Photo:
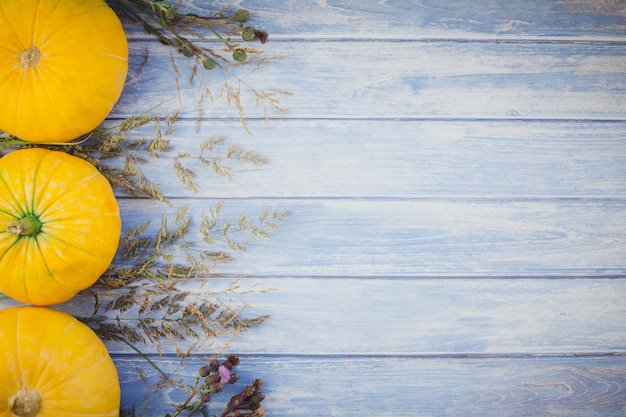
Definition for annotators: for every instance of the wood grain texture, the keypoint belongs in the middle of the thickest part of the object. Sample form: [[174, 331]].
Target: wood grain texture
[[410, 387], [456, 177], [455, 172], [423, 317], [402, 79], [408, 159], [422, 238], [430, 19]]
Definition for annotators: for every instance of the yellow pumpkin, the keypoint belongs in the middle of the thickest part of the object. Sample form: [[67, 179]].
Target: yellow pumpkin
[[52, 365], [59, 225], [63, 65]]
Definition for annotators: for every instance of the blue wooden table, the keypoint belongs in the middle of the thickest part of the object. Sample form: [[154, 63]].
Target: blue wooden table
[[456, 174]]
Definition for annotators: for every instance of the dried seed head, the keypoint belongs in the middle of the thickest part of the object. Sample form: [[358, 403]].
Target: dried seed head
[[170, 13], [204, 371], [234, 402], [258, 384], [242, 16], [239, 55], [231, 361], [214, 364], [186, 50], [213, 378], [261, 35], [233, 378], [248, 33], [257, 397], [208, 63]]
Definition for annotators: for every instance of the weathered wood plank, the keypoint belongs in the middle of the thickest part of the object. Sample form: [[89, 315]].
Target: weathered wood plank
[[423, 80], [431, 237], [455, 173], [407, 386], [408, 159], [560, 19], [323, 316]]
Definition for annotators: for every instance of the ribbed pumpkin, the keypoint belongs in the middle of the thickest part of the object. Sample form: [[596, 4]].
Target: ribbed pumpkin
[[59, 225], [63, 65], [52, 365]]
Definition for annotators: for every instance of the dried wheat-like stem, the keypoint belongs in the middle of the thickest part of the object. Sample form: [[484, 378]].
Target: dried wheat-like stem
[[120, 156], [145, 296], [189, 33]]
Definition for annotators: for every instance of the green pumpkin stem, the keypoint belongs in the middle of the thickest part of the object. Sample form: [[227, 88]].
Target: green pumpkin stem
[[26, 226]]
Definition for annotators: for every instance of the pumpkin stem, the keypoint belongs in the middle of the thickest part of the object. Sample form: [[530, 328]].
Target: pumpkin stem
[[30, 57], [25, 403], [26, 226]]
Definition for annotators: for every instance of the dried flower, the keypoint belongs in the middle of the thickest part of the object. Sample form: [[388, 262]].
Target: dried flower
[[224, 374], [204, 371], [187, 33], [260, 412], [246, 403], [261, 35], [231, 361], [214, 365], [213, 378], [216, 387], [162, 309]]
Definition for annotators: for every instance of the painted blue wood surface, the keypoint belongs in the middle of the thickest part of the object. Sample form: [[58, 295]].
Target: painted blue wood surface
[[408, 80], [456, 174], [418, 386], [456, 178]]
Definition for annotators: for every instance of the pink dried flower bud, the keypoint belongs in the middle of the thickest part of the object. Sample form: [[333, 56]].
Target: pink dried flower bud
[[224, 373]]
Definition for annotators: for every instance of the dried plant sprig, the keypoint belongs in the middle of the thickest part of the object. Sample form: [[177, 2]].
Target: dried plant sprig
[[188, 33], [140, 299], [147, 295], [210, 380], [171, 27], [120, 157]]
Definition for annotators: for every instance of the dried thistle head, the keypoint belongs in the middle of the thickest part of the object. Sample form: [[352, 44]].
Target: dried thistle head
[[242, 16]]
